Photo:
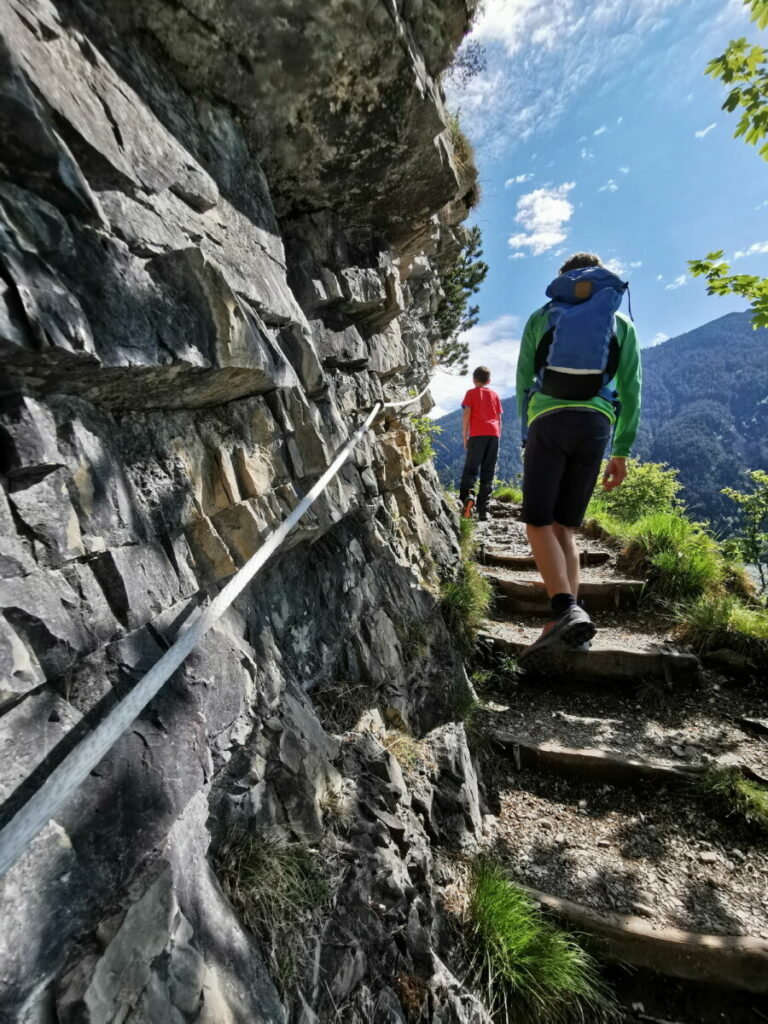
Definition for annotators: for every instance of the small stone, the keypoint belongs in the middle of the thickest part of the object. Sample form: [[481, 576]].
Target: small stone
[[638, 1007], [642, 909], [603, 842], [544, 823], [678, 751], [560, 839], [708, 857], [737, 855], [582, 804]]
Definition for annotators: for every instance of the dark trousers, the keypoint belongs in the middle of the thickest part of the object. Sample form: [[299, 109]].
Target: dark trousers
[[482, 453]]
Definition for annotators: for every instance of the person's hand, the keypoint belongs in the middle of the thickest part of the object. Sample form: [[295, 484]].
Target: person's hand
[[615, 472], [465, 444]]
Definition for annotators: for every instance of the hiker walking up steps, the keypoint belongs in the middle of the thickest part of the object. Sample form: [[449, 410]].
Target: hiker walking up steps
[[578, 378], [480, 429]]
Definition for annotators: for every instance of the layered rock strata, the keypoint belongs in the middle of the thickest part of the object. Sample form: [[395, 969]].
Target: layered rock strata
[[220, 233]]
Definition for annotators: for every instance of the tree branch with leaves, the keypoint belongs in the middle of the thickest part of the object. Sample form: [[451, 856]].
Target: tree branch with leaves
[[744, 67]]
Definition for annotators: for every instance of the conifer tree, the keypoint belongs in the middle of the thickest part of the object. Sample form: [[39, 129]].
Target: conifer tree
[[460, 281]]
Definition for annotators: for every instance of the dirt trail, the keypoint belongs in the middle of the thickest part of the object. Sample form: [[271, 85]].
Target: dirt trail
[[593, 769]]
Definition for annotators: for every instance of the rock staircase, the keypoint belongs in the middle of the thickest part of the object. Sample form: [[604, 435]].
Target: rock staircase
[[593, 764]]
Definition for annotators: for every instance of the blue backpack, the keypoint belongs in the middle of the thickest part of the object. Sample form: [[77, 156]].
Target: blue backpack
[[578, 355]]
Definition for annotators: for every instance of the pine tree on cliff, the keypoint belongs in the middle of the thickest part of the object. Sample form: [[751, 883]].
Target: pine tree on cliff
[[454, 314]]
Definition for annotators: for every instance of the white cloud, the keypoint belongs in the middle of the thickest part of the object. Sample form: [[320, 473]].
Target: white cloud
[[543, 213], [517, 179], [624, 170], [754, 250], [557, 50], [705, 131], [617, 266], [619, 119], [601, 130], [587, 154], [516, 256], [677, 283], [659, 277], [495, 344], [658, 339], [609, 186]]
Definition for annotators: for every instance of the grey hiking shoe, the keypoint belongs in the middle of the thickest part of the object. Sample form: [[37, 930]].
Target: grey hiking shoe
[[573, 629]]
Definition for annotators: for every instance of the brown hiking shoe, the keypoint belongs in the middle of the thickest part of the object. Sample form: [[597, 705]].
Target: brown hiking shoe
[[469, 504]]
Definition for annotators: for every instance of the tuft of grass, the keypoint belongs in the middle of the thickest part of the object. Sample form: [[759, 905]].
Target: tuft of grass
[[467, 540], [680, 558], [275, 887], [525, 965], [341, 704], [737, 796], [336, 812], [714, 622], [414, 641], [463, 703], [508, 669], [465, 601], [463, 153], [413, 992], [411, 754], [509, 494]]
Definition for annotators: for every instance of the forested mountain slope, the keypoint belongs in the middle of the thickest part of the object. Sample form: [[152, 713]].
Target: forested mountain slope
[[705, 411]]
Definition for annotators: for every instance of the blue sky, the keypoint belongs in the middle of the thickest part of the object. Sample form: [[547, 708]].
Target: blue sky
[[595, 128]]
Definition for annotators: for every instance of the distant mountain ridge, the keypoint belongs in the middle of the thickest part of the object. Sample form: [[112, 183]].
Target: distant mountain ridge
[[705, 411]]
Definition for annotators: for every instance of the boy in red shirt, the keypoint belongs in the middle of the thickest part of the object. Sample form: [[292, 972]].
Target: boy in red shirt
[[481, 429]]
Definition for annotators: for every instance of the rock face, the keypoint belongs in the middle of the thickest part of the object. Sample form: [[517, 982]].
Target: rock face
[[220, 227]]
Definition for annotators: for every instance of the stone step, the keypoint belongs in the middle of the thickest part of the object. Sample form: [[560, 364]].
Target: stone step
[[521, 593], [606, 661], [525, 563], [734, 961]]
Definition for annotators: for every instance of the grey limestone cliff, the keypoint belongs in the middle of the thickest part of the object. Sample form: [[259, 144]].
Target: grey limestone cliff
[[220, 232]]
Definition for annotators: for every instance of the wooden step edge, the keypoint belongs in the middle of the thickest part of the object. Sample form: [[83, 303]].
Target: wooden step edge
[[758, 726], [591, 763], [588, 588], [735, 961], [502, 560], [609, 662]]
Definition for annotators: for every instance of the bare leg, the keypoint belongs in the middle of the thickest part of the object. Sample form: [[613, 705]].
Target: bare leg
[[550, 559], [567, 541]]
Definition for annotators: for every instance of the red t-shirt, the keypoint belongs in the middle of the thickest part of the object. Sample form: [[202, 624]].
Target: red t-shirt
[[485, 412]]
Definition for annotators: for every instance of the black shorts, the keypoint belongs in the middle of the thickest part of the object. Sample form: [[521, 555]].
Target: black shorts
[[562, 460]]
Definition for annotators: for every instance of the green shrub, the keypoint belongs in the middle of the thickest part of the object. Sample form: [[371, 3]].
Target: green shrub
[[274, 887], [465, 601], [522, 962], [712, 622], [507, 493], [426, 431], [736, 795], [752, 541], [649, 487]]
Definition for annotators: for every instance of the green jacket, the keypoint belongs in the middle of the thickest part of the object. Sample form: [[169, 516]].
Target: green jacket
[[627, 381]]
